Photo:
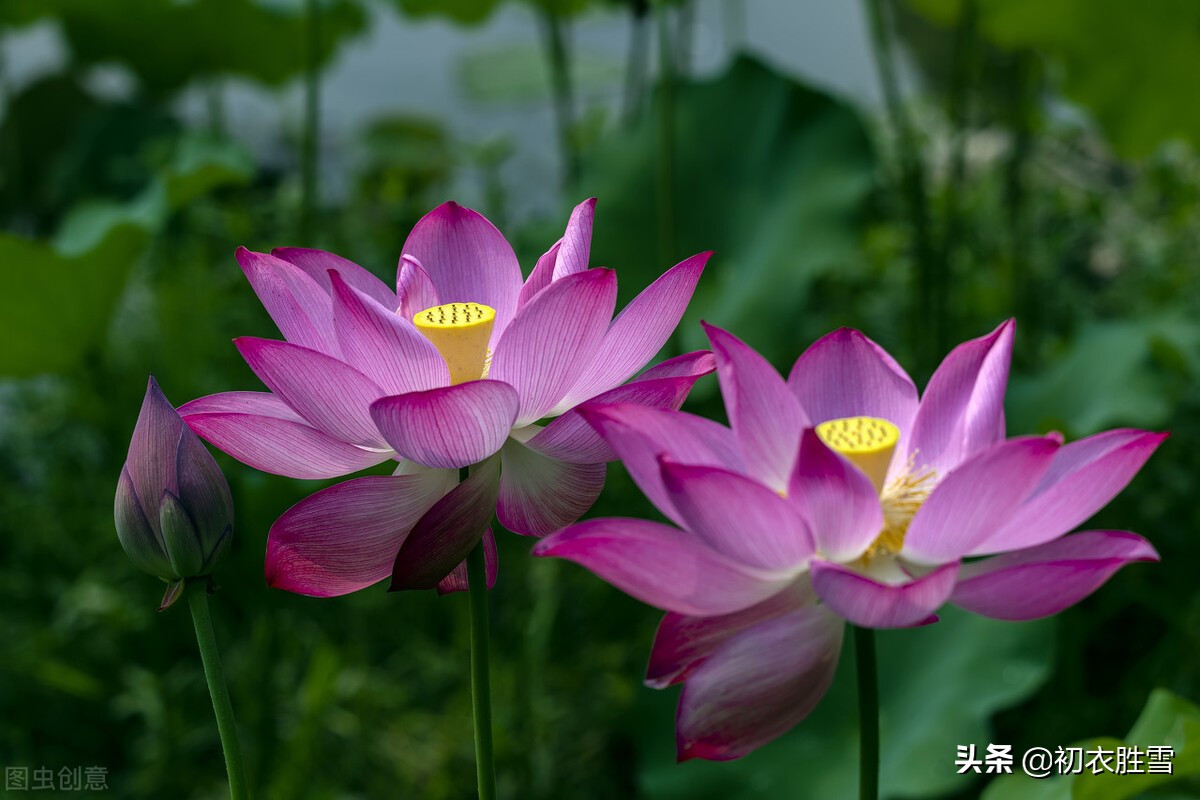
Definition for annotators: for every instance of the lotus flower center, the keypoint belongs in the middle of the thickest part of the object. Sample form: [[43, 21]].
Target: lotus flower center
[[867, 442], [460, 332]]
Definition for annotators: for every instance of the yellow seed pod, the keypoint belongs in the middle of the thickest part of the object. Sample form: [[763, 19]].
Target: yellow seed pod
[[460, 332], [868, 442]]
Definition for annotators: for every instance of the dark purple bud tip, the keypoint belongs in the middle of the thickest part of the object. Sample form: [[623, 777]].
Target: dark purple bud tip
[[173, 510]]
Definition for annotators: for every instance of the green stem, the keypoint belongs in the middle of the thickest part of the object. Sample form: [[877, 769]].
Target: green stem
[[10, 157], [735, 25], [215, 101], [685, 27], [564, 92], [544, 604], [666, 139], [962, 78], [635, 67], [928, 333], [868, 714], [197, 595], [1022, 97], [312, 121], [481, 689]]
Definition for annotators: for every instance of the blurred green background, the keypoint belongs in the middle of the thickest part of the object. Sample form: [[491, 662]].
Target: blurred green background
[[920, 169]]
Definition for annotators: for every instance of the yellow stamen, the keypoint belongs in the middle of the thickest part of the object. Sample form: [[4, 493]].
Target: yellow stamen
[[901, 499], [460, 332], [868, 442]]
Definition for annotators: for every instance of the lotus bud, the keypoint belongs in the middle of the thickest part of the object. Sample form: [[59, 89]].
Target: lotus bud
[[173, 510]]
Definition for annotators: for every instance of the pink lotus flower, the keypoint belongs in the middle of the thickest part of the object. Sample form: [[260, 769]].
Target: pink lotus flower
[[837, 496], [454, 368], [172, 508]]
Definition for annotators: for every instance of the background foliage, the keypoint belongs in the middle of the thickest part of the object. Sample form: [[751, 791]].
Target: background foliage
[[1034, 159]]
